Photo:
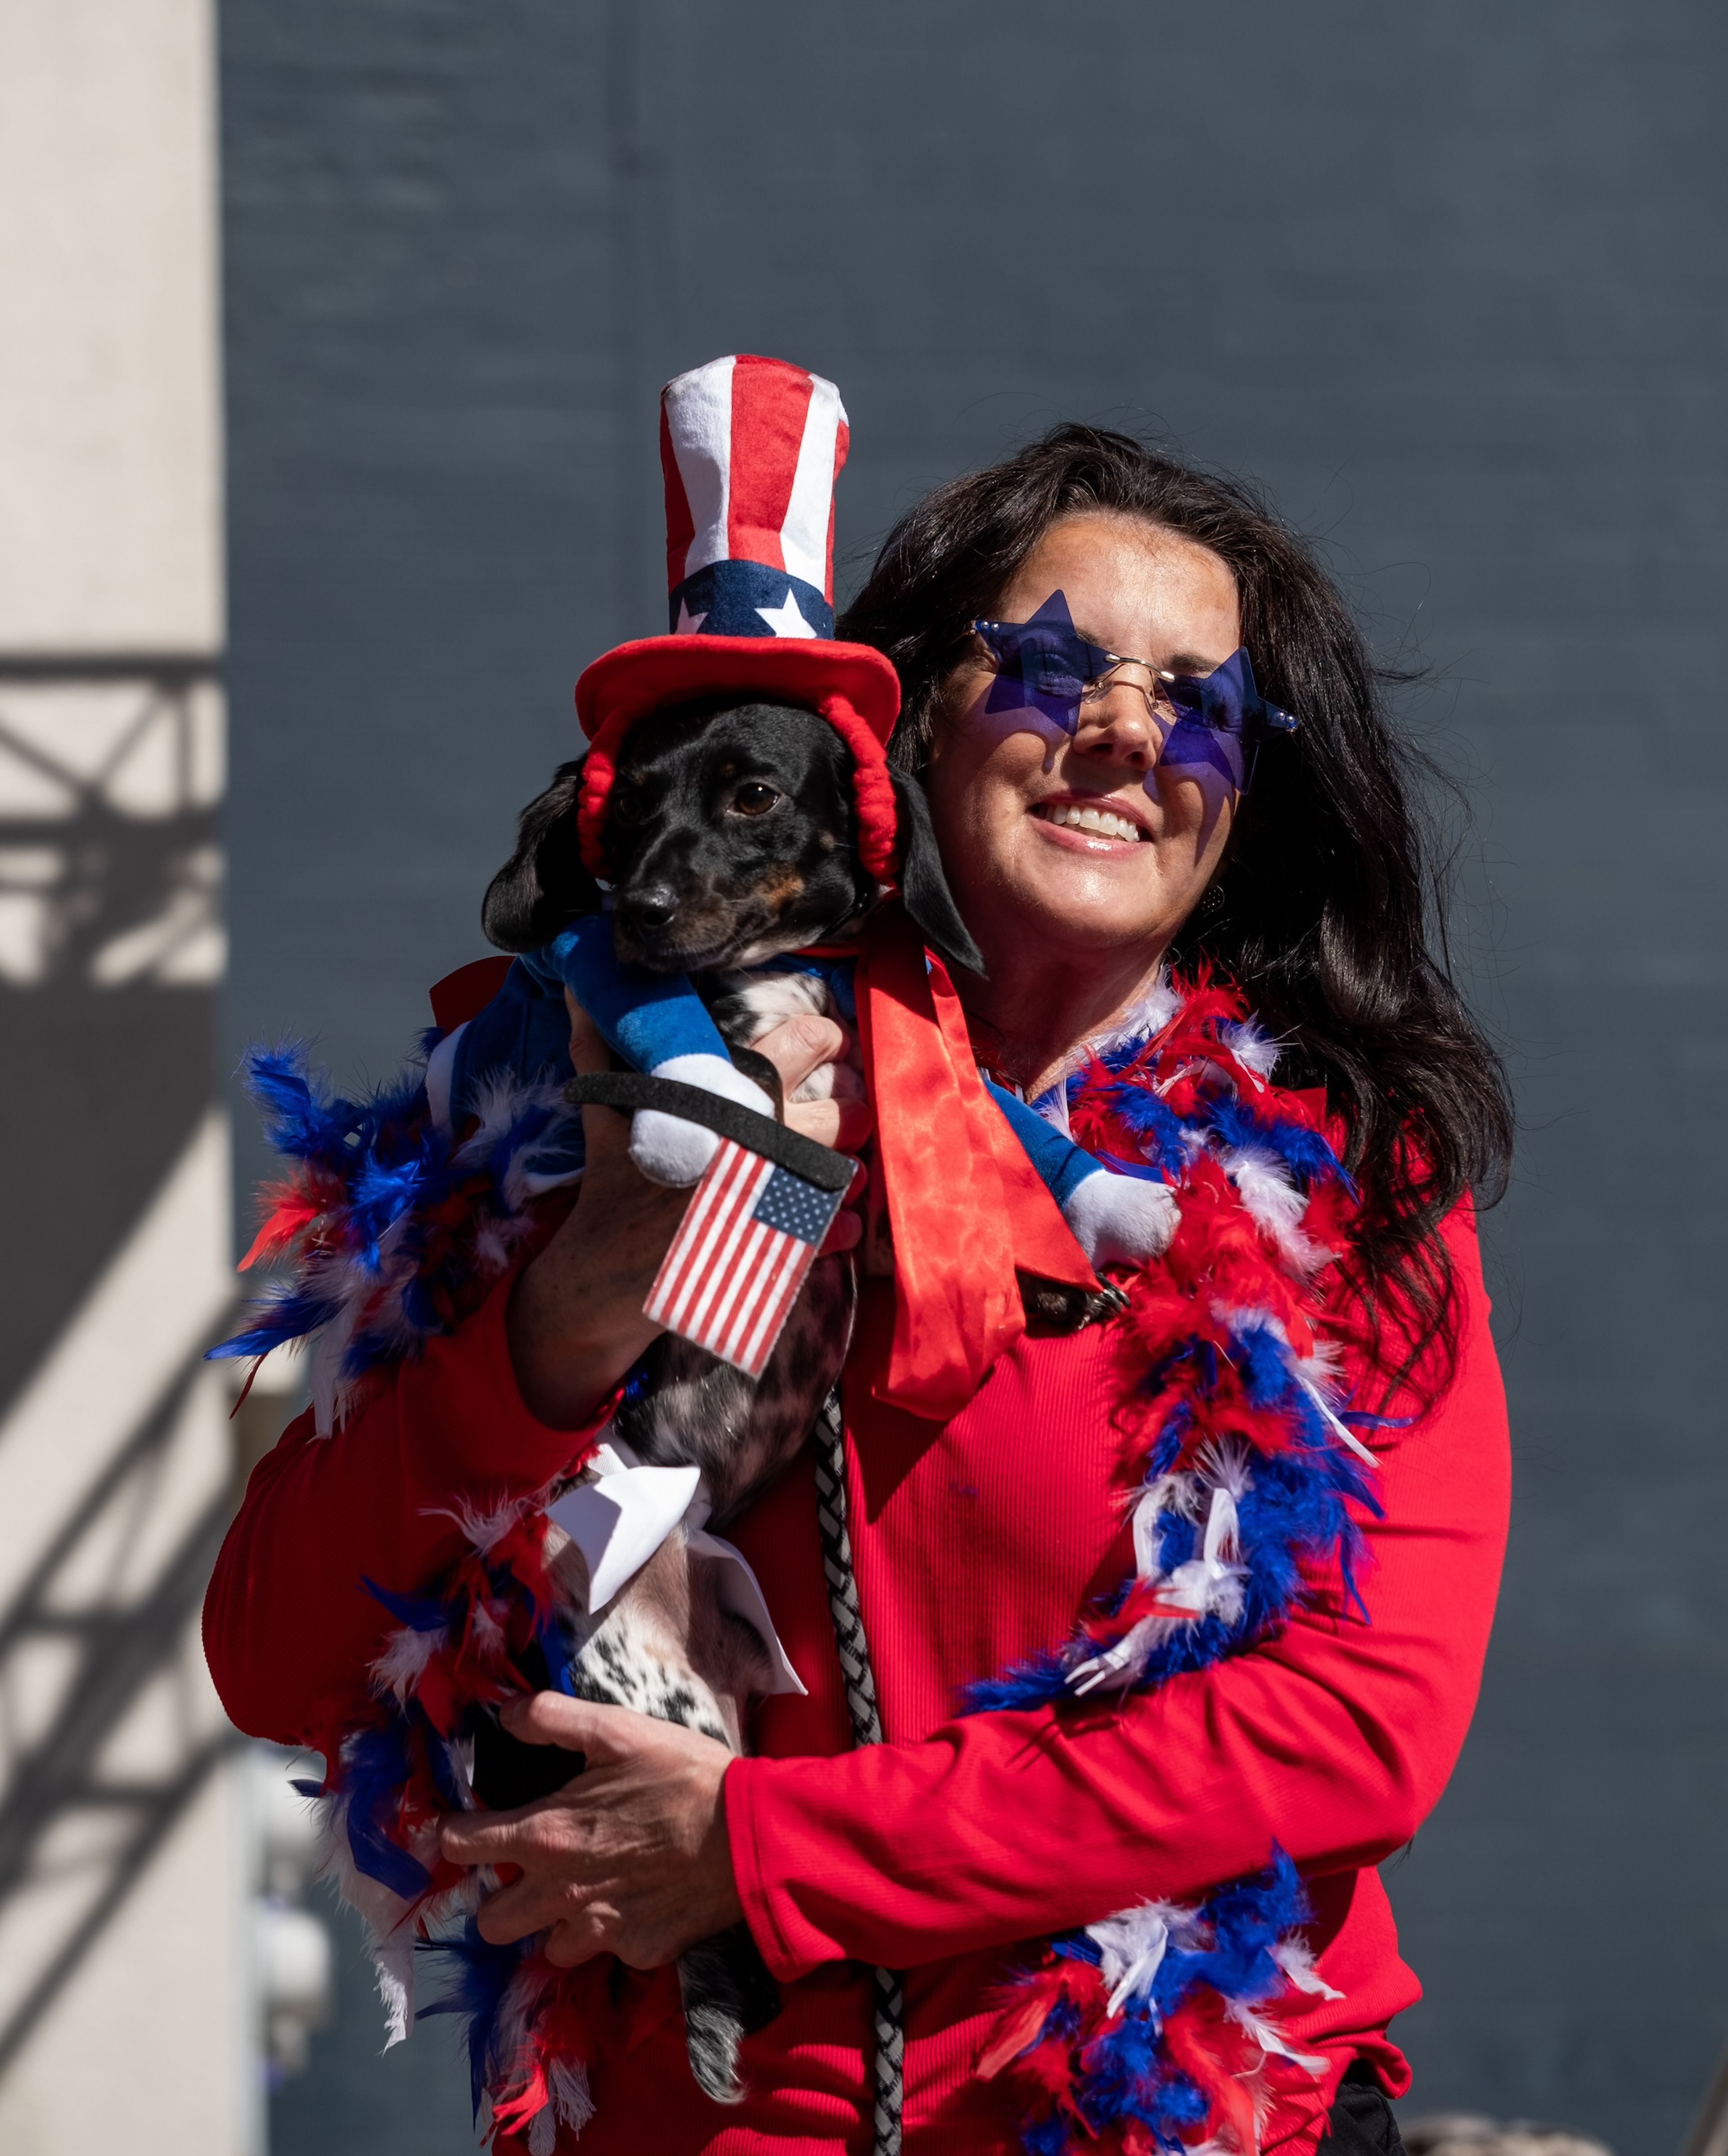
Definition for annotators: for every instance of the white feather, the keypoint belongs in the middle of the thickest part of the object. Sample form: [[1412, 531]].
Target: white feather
[[484, 1530], [1269, 2040], [1296, 1958], [393, 1961], [1251, 1048], [568, 2080], [1169, 1493], [324, 1370], [1273, 1203], [1226, 1461], [1319, 1378], [1149, 1014], [402, 1664], [1132, 1948], [1121, 1665]]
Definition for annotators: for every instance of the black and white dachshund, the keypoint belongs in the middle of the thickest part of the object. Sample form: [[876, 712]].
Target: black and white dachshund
[[730, 838]]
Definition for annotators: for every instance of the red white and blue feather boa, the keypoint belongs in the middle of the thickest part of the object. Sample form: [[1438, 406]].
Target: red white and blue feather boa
[[1154, 2028]]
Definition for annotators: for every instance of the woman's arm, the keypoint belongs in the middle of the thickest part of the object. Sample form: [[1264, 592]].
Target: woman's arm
[[1334, 1740], [289, 1626]]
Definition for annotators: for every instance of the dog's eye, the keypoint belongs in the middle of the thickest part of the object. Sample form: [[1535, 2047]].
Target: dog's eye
[[626, 807], [754, 799]]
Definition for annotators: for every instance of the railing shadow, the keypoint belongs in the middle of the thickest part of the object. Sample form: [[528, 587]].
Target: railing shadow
[[102, 889], [120, 1647]]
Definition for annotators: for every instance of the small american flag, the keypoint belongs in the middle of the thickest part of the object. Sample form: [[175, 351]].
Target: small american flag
[[748, 1238]]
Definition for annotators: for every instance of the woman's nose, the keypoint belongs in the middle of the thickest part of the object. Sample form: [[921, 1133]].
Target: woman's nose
[[1117, 724]]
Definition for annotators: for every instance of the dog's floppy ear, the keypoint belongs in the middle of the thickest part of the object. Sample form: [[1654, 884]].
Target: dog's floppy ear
[[543, 886], [923, 888]]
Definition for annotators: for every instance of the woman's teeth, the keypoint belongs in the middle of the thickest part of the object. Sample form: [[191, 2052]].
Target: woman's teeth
[[1104, 822]]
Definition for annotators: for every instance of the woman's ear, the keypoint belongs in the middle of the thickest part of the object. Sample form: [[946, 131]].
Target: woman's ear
[[923, 888], [543, 886]]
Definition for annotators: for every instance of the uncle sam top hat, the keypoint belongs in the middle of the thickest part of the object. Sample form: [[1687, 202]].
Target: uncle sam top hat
[[751, 449]]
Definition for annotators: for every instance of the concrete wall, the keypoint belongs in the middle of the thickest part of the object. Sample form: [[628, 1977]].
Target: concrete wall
[[1449, 281], [124, 1987]]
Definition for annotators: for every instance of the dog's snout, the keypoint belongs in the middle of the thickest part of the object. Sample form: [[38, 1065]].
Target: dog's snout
[[654, 908]]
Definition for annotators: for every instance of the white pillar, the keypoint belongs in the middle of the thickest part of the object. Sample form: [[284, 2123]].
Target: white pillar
[[126, 2019]]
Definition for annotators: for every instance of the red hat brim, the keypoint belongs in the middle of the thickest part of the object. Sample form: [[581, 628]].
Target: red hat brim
[[632, 679]]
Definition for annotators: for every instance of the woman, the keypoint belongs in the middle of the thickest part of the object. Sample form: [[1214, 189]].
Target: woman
[[1086, 863]]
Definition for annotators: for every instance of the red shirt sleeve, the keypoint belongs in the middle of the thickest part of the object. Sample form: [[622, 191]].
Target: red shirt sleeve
[[289, 1627], [1334, 1739]]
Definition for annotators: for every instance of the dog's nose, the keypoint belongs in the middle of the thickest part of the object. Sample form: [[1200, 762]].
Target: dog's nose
[[652, 908]]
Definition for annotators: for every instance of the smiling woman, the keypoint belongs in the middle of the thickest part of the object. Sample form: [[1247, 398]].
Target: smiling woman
[[1076, 850], [1315, 889], [1119, 1677]]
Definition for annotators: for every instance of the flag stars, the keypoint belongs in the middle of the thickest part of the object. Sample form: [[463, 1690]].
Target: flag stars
[[785, 620]]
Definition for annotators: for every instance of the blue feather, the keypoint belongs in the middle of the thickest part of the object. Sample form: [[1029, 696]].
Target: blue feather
[[480, 1977], [375, 1770], [420, 1613]]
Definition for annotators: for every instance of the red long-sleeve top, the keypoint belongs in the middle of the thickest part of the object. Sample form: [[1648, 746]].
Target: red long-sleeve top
[[949, 1851]]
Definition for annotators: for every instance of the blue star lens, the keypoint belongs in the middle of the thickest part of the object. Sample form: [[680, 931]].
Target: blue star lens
[[1043, 665], [1212, 722]]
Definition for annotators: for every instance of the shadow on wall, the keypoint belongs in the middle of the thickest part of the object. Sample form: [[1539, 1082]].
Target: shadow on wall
[[110, 952], [115, 1475], [98, 1777]]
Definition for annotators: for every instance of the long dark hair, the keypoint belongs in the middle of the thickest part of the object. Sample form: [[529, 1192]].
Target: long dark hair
[[1328, 909]]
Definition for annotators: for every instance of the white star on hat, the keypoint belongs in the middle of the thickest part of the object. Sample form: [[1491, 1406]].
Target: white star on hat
[[785, 620], [688, 623]]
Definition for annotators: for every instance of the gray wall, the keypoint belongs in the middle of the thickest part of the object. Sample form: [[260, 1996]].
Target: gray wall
[[1449, 281]]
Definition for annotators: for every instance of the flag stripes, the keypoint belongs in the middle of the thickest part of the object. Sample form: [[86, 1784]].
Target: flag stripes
[[751, 449], [740, 1257]]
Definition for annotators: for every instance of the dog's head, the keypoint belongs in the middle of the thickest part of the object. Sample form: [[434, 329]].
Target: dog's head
[[730, 836]]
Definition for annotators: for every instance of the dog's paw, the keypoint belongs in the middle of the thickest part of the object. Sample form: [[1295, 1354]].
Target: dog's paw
[[671, 1149], [1121, 1220]]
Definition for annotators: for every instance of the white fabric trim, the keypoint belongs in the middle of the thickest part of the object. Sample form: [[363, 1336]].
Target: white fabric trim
[[804, 536], [699, 418], [619, 1517]]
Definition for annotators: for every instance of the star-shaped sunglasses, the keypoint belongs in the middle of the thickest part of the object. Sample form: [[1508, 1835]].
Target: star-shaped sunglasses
[[1208, 721]]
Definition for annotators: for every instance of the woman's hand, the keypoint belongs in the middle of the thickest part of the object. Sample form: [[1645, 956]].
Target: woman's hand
[[576, 1323], [630, 1858]]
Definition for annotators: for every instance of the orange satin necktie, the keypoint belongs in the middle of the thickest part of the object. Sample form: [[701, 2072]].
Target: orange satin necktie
[[965, 1204]]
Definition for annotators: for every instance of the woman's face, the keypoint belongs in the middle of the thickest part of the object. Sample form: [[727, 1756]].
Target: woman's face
[[1005, 788]]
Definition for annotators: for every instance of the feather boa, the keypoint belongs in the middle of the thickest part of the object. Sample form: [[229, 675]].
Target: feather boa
[[387, 1221], [1153, 2030]]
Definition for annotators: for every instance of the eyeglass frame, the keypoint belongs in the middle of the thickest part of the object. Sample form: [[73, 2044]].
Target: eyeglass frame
[[1261, 719]]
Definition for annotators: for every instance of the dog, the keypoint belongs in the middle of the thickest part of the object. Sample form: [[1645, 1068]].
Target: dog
[[730, 838]]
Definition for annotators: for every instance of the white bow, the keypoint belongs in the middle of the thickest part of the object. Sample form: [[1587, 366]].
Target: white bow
[[619, 1517]]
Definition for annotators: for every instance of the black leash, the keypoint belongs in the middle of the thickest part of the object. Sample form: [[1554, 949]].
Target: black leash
[[866, 1717], [631, 1090]]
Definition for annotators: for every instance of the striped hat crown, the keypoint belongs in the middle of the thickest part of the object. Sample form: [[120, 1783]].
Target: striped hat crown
[[751, 449]]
